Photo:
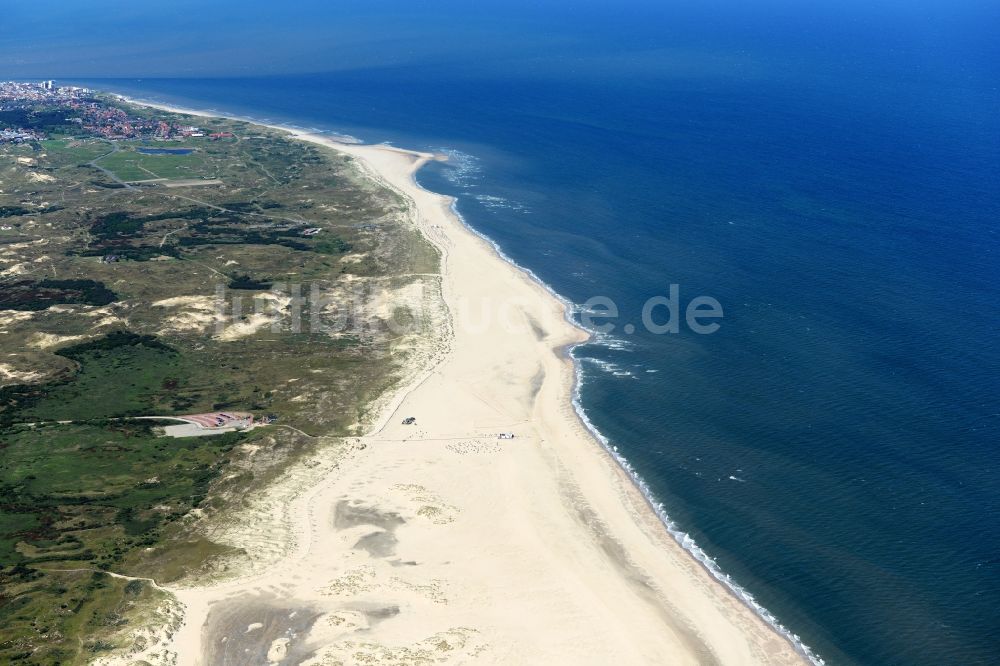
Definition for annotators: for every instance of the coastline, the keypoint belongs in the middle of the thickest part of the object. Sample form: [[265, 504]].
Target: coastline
[[627, 575]]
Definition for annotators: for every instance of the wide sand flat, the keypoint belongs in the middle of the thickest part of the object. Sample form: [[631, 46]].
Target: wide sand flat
[[439, 543]]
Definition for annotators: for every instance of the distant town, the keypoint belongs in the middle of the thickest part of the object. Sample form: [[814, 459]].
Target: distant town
[[60, 108]]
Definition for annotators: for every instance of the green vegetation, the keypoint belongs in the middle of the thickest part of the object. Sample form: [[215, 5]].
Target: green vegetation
[[49, 121], [69, 477], [80, 498], [70, 152], [127, 234], [122, 374], [17, 211], [332, 245], [248, 283], [67, 617], [77, 499], [39, 295], [13, 211], [134, 273], [129, 165]]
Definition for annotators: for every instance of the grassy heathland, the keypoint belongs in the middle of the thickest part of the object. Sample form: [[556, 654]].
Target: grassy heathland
[[110, 308]]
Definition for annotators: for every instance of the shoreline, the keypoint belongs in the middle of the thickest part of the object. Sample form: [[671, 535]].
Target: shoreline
[[692, 629]]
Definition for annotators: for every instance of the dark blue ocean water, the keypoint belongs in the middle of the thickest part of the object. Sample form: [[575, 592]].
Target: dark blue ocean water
[[833, 183]]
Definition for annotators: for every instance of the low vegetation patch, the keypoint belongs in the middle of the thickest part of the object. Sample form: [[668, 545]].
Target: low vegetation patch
[[32, 295], [248, 283]]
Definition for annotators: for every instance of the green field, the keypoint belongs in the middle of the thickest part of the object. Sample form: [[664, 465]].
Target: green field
[[129, 165], [66, 152]]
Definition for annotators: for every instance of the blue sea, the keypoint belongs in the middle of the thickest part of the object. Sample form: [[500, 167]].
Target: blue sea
[[832, 178]]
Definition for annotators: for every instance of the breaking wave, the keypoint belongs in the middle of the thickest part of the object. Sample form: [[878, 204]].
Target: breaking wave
[[681, 537]]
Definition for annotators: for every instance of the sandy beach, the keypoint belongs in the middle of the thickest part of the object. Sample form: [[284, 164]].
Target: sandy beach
[[439, 542]]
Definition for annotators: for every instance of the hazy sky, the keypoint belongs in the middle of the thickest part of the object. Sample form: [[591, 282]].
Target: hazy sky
[[71, 38]]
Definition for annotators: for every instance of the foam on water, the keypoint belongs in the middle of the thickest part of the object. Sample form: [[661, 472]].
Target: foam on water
[[606, 366], [682, 538], [464, 170], [461, 169], [500, 203], [609, 341]]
